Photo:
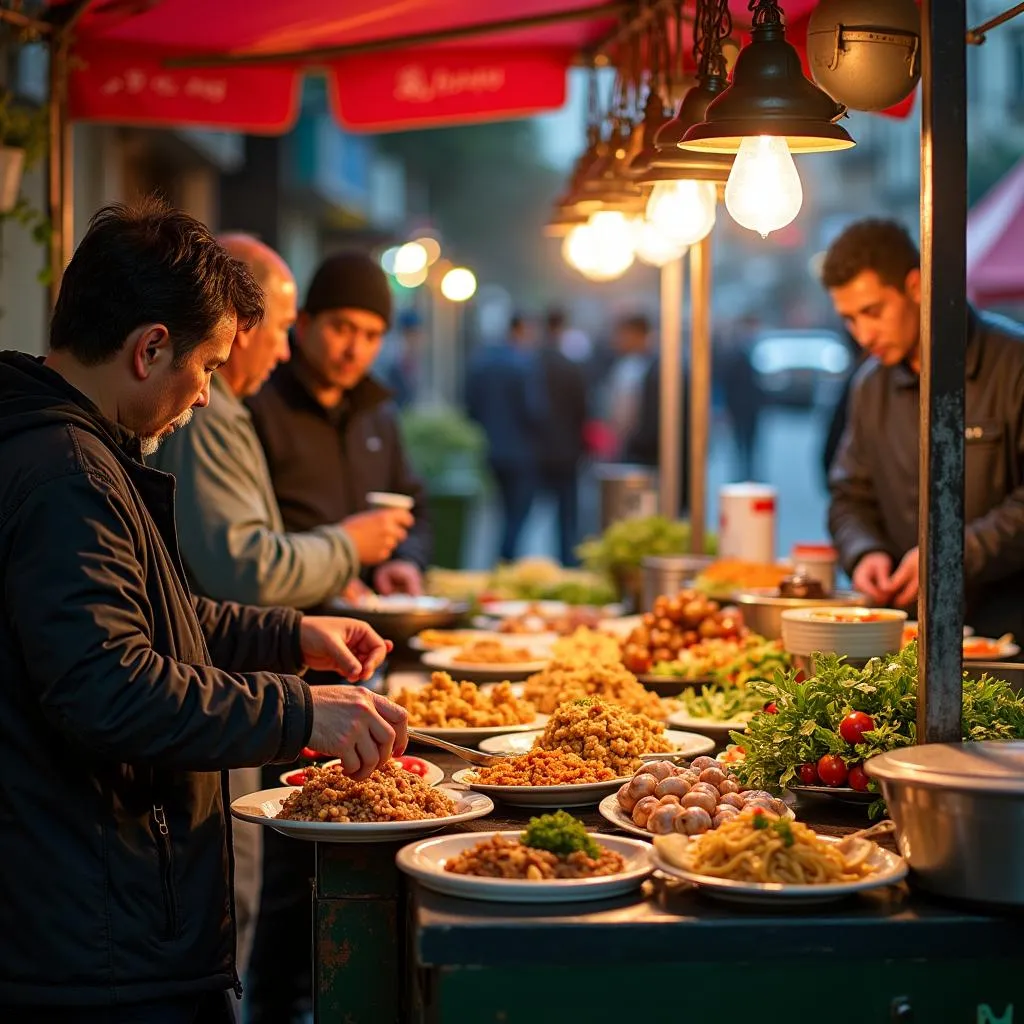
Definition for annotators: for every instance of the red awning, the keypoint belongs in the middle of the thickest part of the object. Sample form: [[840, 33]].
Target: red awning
[[995, 243], [124, 72]]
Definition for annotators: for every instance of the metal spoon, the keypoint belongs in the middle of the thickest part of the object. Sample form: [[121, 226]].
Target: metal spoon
[[472, 756]]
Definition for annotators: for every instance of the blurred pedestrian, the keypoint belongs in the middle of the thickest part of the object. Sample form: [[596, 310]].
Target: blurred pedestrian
[[405, 374], [631, 343], [505, 395], [561, 441], [741, 393]]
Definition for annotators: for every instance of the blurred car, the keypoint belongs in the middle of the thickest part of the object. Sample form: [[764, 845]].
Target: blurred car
[[803, 368]]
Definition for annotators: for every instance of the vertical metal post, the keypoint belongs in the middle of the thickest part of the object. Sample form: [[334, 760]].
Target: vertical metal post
[[943, 348], [700, 388], [670, 381], [56, 164]]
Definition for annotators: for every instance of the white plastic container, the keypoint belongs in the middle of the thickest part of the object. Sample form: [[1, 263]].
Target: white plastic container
[[746, 522]]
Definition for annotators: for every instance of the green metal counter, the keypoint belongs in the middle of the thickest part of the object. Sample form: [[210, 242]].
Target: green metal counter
[[389, 952]]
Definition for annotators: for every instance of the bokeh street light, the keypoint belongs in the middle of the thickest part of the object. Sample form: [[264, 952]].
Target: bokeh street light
[[458, 285]]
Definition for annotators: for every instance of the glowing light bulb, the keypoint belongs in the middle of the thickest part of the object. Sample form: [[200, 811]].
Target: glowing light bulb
[[764, 191], [410, 259], [654, 247], [458, 285], [683, 211], [603, 248]]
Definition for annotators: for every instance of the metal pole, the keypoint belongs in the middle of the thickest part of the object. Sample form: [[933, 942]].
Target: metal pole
[[700, 388], [670, 381], [55, 189], [943, 349]]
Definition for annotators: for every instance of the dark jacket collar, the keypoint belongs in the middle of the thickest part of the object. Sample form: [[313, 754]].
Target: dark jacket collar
[[367, 394], [904, 377]]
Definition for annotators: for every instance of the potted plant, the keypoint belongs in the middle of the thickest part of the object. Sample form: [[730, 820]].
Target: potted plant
[[447, 450]]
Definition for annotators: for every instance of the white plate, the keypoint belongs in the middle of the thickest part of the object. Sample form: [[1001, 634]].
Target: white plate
[[470, 736], [1005, 651], [612, 813], [686, 743], [444, 659], [889, 869], [706, 726], [476, 635], [584, 795], [542, 609], [434, 776], [425, 861], [912, 624], [621, 627], [262, 808]]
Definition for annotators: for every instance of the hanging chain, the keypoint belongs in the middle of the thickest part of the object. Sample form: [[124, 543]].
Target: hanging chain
[[712, 25], [765, 12]]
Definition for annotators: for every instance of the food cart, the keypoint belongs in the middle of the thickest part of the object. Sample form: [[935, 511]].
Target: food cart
[[387, 950]]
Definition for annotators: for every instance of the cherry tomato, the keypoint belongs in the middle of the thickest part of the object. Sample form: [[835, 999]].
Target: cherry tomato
[[854, 725], [832, 769], [808, 775], [413, 765], [858, 779], [313, 755], [296, 779], [771, 708]]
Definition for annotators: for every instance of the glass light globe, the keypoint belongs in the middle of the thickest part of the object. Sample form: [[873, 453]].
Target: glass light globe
[[603, 248], [683, 211], [654, 247], [458, 285], [764, 191]]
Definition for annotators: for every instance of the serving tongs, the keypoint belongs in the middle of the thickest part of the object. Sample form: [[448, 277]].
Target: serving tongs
[[480, 759], [476, 757]]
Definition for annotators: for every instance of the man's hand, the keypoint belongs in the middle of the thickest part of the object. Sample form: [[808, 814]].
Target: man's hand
[[376, 534], [361, 728], [346, 646], [871, 576], [398, 578], [905, 581]]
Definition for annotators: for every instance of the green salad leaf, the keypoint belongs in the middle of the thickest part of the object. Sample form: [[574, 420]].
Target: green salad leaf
[[808, 713]]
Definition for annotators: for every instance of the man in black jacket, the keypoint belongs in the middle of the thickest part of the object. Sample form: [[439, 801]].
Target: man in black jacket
[[329, 429], [122, 696], [872, 272]]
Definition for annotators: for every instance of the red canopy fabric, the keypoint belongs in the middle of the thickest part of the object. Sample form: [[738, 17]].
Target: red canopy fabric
[[995, 243], [120, 72]]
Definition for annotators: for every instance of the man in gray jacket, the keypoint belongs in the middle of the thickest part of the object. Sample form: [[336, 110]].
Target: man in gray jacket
[[232, 538]]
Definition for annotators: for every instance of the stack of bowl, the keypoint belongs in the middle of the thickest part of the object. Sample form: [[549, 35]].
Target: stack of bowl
[[858, 633]]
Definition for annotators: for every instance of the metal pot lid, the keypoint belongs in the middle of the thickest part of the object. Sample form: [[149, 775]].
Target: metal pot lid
[[991, 766]]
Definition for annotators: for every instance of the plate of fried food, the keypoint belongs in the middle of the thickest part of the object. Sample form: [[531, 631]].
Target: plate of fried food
[[597, 730], [553, 860], [431, 773], [437, 639], [542, 778], [329, 807], [491, 660], [466, 713], [761, 858]]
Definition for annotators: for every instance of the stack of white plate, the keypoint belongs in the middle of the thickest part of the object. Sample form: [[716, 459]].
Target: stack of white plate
[[858, 633]]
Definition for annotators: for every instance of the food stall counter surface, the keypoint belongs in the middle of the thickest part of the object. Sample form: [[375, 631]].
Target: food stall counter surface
[[390, 951]]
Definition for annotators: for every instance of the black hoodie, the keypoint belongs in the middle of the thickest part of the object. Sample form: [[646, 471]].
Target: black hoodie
[[114, 726]]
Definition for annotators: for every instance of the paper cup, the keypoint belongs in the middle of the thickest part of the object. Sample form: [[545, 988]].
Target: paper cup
[[387, 499]]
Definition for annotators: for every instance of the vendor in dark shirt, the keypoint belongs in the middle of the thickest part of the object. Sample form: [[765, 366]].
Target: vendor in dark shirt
[[872, 273], [329, 429]]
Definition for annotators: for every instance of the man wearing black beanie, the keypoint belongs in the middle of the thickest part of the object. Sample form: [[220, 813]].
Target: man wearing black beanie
[[331, 437], [329, 429]]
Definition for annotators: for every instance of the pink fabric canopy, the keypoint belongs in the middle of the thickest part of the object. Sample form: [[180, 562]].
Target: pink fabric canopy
[[124, 51], [995, 243]]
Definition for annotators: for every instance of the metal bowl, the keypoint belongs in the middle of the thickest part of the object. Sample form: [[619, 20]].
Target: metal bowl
[[399, 617], [762, 608], [959, 814]]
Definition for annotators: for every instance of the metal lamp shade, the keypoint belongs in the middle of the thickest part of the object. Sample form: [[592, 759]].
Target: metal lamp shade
[[770, 95], [654, 117]]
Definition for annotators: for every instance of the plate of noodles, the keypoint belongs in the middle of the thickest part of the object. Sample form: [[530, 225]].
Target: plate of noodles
[[758, 857]]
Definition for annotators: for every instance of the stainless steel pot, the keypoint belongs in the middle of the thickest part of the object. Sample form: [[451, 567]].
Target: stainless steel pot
[[959, 814], [668, 574], [762, 608]]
